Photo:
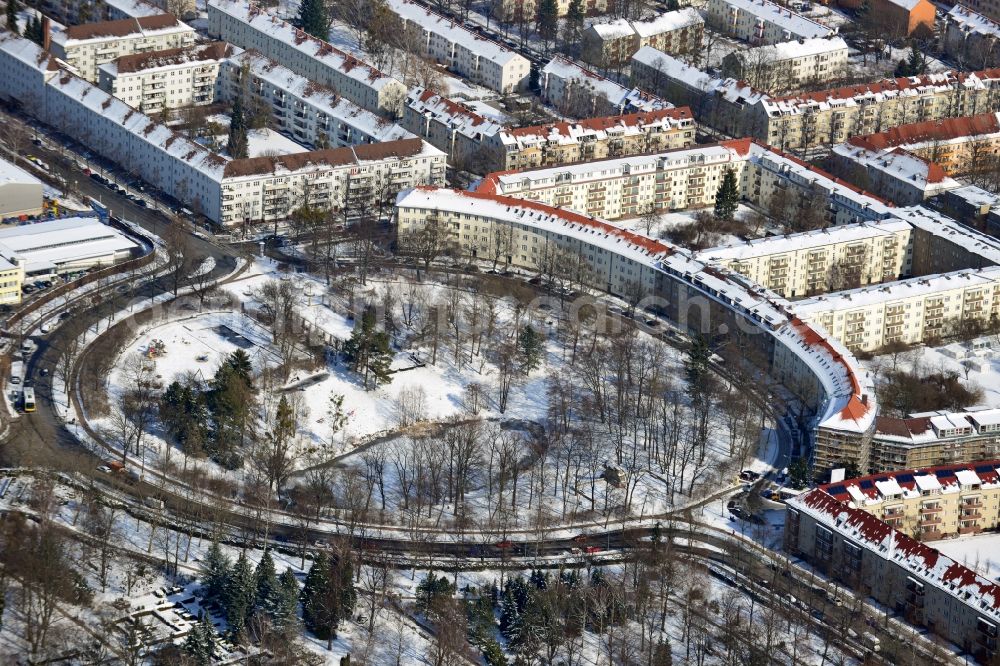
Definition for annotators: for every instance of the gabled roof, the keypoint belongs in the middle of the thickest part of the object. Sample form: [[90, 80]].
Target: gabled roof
[[122, 27]]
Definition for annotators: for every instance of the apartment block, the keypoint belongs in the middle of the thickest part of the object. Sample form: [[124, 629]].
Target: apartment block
[[683, 178], [463, 51], [719, 102], [581, 93], [935, 438], [307, 112], [88, 46], [158, 80], [452, 127], [21, 194], [512, 11], [896, 174], [353, 180], [922, 309], [788, 66], [959, 145], [593, 139], [762, 22], [909, 577], [252, 27], [613, 43], [821, 261], [972, 39], [830, 117], [229, 192]]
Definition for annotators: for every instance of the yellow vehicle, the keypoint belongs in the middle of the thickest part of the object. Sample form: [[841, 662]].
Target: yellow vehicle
[[29, 399]]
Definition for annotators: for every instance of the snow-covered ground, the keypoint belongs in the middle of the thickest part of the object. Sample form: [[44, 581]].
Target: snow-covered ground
[[980, 552], [976, 362]]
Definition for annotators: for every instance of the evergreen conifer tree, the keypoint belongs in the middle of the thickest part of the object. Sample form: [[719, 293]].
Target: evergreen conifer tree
[[238, 144], [266, 584], [239, 595], [315, 581], [313, 19], [12, 9], [214, 573], [368, 351], [574, 27], [728, 196], [287, 600], [529, 346], [200, 641], [548, 20]]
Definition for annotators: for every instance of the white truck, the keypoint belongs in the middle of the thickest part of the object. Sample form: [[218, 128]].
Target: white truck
[[16, 372], [871, 641]]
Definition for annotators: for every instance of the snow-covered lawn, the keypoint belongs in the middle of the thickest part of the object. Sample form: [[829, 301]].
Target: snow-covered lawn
[[980, 552], [977, 363]]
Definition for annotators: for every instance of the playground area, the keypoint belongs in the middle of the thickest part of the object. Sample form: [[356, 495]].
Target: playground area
[[199, 343]]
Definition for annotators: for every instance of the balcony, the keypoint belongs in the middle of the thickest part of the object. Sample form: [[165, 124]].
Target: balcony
[[928, 509], [930, 520], [970, 529], [976, 503], [971, 515], [930, 535]]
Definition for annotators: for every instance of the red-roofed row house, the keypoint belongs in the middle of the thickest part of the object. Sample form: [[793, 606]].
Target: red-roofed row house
[[910, 577]]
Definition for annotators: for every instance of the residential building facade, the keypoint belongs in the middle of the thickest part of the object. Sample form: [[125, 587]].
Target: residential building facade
[[972, 39], [788, 66], [88, 46], [452, 127], [581, 93], [909, 577], [252, 27], [309, 113], [592, 139], [762, 22], [158, 80], [614, 43], [466, 53]]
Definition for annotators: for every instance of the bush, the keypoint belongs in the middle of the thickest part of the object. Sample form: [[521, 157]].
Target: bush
[[904, 392]]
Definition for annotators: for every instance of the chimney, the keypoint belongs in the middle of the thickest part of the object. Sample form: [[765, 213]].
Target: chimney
[[46, 33]]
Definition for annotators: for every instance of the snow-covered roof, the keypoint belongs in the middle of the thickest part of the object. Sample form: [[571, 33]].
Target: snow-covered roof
[[261, 20], [976, 196], [965, 19], [889, 488], [900, 164], [801, 48], [507, 182], [46, 245], [865, 93], [457, 116], [135, 8], [849, 391], [318, 160], [186, 56], [919, 287], [967, 477], [796, 24], [668, 22], [568, 71], [320, 97], [846, 233], [671, 68], [615, 29], [28, 52], [139, 27], [175, 144], [598, 129], [11, 173], [927, 483], [922, 561], [453, 32], [944, 228]]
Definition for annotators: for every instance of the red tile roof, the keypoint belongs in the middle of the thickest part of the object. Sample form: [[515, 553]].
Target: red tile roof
[[930, 130]]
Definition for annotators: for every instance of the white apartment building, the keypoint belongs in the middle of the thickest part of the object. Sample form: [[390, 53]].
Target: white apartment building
[[684, 178], [910, 311], [787, 66], [821, 261], [476, 58], [762, 22], [579, 92], [612, 43], [354, 179], [252, 27], [225, 191], [895, 173], [591, 139], [971, 38], [167, 79], [452, 127], [309, 113], [86, 47]]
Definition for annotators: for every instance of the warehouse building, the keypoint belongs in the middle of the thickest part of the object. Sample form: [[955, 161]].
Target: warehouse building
[[20, 192]]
